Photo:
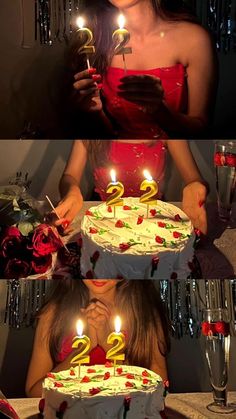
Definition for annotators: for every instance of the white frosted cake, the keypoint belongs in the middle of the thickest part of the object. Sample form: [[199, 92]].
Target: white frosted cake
[[132, 246], [133, 393]]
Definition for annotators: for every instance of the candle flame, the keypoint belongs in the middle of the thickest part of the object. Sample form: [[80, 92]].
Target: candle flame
[[117, 324], [80, 22], [147, 175], [113, 176], [121, 21], [79, 327]]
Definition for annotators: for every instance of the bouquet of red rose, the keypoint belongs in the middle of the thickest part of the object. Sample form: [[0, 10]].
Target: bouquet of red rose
[[27, 244]]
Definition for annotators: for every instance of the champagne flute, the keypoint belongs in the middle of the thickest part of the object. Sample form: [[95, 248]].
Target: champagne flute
[[216, 329], [225, 169]]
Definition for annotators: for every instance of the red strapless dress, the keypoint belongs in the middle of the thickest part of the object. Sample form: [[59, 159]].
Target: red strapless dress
[[131, 121], [97, 354], [129, 160]]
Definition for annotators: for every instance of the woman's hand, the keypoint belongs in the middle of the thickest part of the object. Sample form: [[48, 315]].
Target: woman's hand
[[87, 85], [194, 198], [143, 90], [98, 317], [67, 209]]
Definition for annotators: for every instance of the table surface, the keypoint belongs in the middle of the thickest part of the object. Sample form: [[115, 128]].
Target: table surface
[[216, 254], [178, 406]]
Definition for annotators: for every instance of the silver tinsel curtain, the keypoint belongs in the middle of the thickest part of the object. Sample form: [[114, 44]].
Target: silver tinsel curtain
[[185, 301], [55, 20]]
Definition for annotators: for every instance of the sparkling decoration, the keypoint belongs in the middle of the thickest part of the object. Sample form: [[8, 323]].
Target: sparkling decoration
[[185, 301]]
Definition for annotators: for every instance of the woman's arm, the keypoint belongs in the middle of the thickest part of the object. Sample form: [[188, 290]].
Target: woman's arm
[[196, 189], [184, 161], [72, 199], [202, 80]]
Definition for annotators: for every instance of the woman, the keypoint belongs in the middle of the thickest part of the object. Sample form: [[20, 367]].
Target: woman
[[143, 320], [170, 84], [130, 158]]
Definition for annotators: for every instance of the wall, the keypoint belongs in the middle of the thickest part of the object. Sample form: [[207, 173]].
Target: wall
[[31, 80], [44, 160]]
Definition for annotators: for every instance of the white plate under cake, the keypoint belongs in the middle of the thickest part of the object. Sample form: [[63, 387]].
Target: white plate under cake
[[132, 246], [133, 393]]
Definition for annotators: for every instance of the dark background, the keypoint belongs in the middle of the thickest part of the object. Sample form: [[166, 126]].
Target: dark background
[[31, 78]]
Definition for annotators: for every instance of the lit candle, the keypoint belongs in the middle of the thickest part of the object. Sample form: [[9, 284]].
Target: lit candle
[[152, 185], [115, 353], [115, 199], [86, 40], [121, 37], [84, 342]]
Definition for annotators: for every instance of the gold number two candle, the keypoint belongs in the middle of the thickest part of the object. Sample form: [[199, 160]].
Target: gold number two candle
[[83, 343], [115, 353]]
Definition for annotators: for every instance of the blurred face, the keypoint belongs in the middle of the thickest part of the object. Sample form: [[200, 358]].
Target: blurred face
[[125, 4], [100, 286]]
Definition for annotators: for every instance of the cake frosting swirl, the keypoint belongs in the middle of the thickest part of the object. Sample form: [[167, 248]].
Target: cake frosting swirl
[[132, 246], [133, 392]]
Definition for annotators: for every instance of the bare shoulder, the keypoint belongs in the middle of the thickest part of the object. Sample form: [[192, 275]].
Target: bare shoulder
[[193, 34]]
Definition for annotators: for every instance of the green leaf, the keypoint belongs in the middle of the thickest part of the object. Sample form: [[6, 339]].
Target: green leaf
[[25, 228]]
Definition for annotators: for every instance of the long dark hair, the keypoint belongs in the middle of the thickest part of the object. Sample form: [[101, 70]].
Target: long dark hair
[[101, 17], [136, 301]]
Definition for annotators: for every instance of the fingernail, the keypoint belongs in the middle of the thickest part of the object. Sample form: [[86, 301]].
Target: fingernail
[[65, 224], [96, 77], [201, 203], [100, 86], [92, 71]]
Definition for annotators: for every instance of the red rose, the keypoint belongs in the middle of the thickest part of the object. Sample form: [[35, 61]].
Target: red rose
[[40, 265], [85, 379], [93, 391], [119, 224], [231, 160], [50, 375], [58, 384], [178, 218], [177, 235], [153, 212], [159, 240], [89, 213], [219, 159], [41, 405], [106, 375], [140, 220], [222, 328], [45, 240], [119, 370], [91, 370], [11, 245], [146, 381], [16, 269], [124, 246], [93, 230], [129, 384], [109, 209], [126, 208], [145, 374], [206, 328], [63, 406], [130, 376], [12, 231], [108, 364], [161, 224], [72, 372]]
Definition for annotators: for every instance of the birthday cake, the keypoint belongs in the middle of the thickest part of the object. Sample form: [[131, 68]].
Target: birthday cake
[[134, 246], [133, 393]]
